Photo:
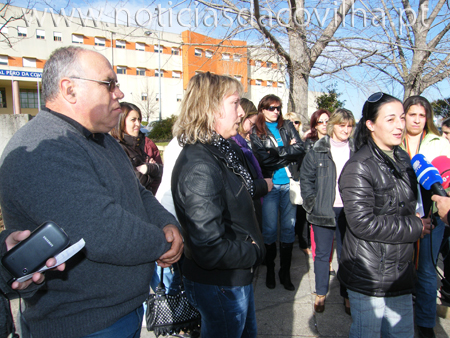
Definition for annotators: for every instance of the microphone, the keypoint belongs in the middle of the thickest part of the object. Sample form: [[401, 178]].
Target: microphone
[[427, 175], [442, 164]]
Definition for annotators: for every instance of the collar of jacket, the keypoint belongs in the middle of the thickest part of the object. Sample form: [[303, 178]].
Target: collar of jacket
[[133, 141], [398, 155], [324, 145]]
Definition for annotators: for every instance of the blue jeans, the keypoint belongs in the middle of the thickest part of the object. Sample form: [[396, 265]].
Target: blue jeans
[[227, 311], [323, 237], [129, 326], [278, 200], [426, 277], [385, 316]]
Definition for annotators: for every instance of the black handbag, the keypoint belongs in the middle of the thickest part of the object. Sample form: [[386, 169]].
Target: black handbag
[[167, 314]]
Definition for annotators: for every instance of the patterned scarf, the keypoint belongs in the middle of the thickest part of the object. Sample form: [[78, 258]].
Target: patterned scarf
[[233, 162]]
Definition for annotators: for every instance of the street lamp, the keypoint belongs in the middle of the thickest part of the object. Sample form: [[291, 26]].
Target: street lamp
[[148, 33]]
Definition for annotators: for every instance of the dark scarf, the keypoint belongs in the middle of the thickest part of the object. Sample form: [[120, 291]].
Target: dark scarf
[[233, 162]]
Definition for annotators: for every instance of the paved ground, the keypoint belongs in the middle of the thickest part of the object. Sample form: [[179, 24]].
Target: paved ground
[[281, 313]]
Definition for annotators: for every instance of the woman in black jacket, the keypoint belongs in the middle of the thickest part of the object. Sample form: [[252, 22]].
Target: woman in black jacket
[[212, 193], [277, 145], [318, 178], [378, 187]]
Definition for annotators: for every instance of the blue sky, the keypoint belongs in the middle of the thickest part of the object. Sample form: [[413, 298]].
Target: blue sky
[[353, 95]]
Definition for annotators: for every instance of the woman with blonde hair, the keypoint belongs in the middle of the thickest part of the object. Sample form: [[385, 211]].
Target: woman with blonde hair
[[296, 120], [322, 201], [212, 193]]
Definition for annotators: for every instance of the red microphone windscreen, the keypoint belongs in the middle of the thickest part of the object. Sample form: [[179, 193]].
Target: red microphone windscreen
[[442, 164]]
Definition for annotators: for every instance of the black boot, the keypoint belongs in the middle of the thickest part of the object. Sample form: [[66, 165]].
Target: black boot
[[271, 253], [285, 264]]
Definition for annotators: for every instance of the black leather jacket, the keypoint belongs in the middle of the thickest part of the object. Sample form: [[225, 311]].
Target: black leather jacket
[[271, 157], [318, 183], [223, 243], [379, 201]]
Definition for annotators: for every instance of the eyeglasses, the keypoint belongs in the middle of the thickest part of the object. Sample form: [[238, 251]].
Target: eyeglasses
[[272, 108], [321, 122], [112, 84], [375, 97], [296, 122]]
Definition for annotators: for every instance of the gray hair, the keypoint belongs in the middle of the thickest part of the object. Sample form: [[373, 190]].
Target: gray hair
[[63, 62]]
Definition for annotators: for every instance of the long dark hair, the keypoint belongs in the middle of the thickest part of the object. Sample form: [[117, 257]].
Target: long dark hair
[[260, 124], [313, 135], [370, 112], [423, 102], [119, 129]]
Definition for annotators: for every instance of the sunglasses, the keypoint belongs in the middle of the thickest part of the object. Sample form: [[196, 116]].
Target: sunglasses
[[272, 108], [296, 122], [375, 97], [321, 122], [112, 84]]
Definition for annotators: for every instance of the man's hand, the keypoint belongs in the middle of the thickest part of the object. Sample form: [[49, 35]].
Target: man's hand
[[443, 206], [11, 241], [173, 255]]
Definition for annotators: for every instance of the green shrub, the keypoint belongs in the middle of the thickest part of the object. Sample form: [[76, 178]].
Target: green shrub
[[162, 130]]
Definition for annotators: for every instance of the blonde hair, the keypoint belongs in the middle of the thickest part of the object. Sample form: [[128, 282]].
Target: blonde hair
[[293, 116], [339, 116], [202, 100]]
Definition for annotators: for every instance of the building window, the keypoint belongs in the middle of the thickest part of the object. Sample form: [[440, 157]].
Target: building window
[[2, 98], [198, 52], [157, 72], [120, 44], [179, 97], [258, 82], [140, 71], [175, 51], [121, 70], [157, 97], [57, 36], [225, 56], [208, 54], [158, 49], [22, 31], [269, 64], [29, 98], [140, 46], [40, 34], [237, 57], [238, 77], [4, 60], [280, 84], [176, 74], [29, 62], [249, 62], [258, 63], [144, 96], [99, 41], [77, 38], [249, 81], [4, 30], [269, 83]]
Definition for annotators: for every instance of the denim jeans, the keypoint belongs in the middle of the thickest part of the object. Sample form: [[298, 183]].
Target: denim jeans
[[426, 277], [323, 238], [129, 326], [227, 311], [386, 316], [278, 200]]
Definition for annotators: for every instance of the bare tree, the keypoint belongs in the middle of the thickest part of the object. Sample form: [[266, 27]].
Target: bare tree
[[410, 40], [307, 47], [6, 17], [146, 101]]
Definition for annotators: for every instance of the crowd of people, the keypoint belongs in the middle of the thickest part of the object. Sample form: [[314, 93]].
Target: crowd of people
[[222, 206]]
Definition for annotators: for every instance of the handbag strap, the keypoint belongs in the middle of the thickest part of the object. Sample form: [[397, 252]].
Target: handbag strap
[[162, 288]]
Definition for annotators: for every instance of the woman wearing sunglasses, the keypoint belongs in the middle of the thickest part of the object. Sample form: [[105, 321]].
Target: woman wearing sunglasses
[[277, 145], [378, 188], [319, 120], [422, 137]]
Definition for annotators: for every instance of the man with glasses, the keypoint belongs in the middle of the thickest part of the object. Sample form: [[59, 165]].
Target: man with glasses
[[63, 166]]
